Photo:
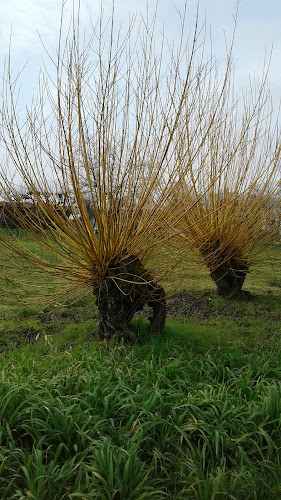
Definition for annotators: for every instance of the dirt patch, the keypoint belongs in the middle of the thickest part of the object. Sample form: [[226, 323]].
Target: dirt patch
[[188, 303], [204, 305], [30, 335], [3, 346]]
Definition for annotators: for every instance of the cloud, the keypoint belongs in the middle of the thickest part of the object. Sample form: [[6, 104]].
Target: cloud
[[258, 28], [28, 18]]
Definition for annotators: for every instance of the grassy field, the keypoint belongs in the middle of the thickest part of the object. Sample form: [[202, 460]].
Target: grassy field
[[193, 414]]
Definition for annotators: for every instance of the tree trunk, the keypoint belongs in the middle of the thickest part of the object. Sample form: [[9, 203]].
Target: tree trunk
[[229, 282], [121, 295], [158, 303]]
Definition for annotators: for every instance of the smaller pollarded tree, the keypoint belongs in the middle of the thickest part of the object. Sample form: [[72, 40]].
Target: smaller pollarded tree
[[234, 223]]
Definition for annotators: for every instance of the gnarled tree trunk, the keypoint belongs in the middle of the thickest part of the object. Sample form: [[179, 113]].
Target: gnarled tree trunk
[[229, 281], [229, 276], [122, 294]]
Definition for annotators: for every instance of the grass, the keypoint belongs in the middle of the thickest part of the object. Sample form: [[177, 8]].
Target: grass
[[193, 414]]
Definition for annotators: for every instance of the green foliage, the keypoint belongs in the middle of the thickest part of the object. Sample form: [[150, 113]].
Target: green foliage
[[161, 420], [189, 415]]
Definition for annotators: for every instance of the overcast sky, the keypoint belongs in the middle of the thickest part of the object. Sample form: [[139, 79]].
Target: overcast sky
[[259, 29]]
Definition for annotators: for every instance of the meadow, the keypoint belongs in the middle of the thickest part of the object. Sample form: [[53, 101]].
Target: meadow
[[192, 414]]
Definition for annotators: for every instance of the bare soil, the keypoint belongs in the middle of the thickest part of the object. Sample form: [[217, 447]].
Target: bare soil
[[203, 305]]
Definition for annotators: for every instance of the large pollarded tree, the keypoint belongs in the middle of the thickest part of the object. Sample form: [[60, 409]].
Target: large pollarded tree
[[123, 120]]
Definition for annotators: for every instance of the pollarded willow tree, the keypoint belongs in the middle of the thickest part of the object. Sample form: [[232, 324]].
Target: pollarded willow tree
[[110, 129], [237, 220]]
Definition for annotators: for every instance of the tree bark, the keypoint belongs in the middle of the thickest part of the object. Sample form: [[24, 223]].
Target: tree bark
[[121, 295], [229, 282], [229, 276], [158, 303]]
